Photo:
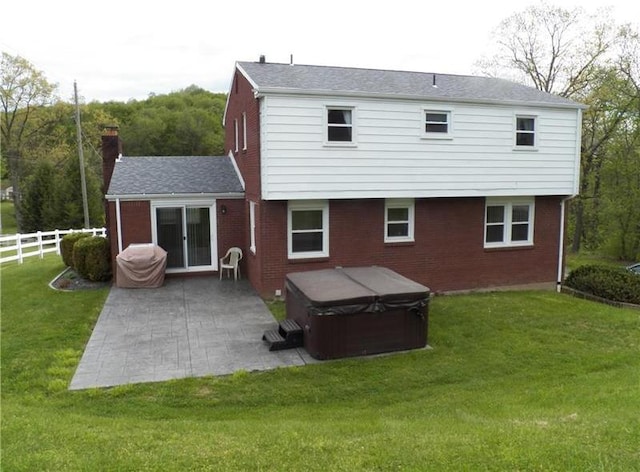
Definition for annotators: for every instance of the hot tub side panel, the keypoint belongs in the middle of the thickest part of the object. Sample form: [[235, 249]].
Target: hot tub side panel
[[331, 336]]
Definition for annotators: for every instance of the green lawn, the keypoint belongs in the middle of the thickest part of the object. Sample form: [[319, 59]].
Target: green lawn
[[515, 381]]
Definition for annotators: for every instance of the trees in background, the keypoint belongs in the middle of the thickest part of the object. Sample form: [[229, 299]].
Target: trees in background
[[593, 60], [40, 150], [23, 90]]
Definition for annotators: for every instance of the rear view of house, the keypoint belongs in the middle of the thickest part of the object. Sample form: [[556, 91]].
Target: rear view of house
[[456, 182]]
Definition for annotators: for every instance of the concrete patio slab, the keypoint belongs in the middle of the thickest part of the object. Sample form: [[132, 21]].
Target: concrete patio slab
[[190, 327]]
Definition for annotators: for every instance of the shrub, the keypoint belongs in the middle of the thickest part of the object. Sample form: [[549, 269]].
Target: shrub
[[66, 246], [611, 283], [91, 258]]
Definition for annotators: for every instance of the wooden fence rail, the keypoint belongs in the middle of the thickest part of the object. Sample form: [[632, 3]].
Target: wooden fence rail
[[20, 246]]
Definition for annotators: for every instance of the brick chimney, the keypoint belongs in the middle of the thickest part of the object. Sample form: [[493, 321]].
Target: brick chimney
[[111, 149]]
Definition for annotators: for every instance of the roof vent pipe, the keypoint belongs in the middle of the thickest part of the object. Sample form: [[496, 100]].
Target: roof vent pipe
[[434, 81], [262, 59], [290, 59]]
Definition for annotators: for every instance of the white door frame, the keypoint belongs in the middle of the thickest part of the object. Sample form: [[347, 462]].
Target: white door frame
[[184, 204]]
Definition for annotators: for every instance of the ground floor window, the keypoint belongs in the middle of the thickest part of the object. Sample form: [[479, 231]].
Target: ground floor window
[[399, 220], [509, 222], [308, 229]]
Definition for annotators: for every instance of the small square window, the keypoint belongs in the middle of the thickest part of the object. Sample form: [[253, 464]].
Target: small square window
[[340, 125], [436, 122], [525, 131], [399, 220]]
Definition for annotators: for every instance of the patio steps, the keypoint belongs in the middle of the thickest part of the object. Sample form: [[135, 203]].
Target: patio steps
[[287, 336]]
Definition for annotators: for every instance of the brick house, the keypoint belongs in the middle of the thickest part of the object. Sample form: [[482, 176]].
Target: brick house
[[457, 182]]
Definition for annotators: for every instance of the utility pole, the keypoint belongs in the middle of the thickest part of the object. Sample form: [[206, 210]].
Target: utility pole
[[83, 182]]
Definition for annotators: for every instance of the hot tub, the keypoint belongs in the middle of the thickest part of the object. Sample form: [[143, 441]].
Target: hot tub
[[357, 311]]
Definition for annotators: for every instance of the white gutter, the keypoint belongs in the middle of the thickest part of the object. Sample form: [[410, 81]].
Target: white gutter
[[118, 225]]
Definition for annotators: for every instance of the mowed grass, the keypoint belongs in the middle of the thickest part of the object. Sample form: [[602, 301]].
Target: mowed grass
[[514, 381]]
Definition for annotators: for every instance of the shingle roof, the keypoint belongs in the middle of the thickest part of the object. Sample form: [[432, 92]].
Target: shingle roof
[[166, 175], [271, 77]]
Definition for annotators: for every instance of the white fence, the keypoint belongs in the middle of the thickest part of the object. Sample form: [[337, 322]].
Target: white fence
[[20, 246]]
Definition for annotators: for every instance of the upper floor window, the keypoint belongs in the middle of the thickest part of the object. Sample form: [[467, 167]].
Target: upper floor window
[[398, 220], [236, 138], [525, 131], [340, 125], [508, 223], [436, 122], [308, 229], [244, 131]]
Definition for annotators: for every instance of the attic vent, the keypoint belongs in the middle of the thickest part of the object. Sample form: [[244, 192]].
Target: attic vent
[[262, 59]]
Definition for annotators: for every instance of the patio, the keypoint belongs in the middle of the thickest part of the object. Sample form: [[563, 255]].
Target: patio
[[190, 327]]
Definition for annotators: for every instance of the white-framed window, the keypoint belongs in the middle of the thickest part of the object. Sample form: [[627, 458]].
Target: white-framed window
[[526, 128], [235, 135], [244, 131], [308, 229], [437, 123], [508, 222], [399, 215], [340, 125], [252, 226]]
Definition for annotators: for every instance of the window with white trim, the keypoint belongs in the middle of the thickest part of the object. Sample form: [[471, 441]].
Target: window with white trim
[[235, 135], [244, 131], [437, 123], [252, 227], [340, 125], [308, 229], [525, 131], [509, 222], [399, 220]]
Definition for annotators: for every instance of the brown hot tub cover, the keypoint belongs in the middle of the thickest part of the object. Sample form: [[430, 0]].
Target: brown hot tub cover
[[356, 311], [141, 266]]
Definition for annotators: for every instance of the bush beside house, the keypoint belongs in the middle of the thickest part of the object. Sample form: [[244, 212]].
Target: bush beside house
[[610, 283]]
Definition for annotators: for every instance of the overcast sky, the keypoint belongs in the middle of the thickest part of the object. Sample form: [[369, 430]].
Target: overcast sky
[[119, 50]]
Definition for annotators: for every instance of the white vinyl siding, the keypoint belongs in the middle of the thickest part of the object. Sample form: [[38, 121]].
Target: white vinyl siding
[[399, 220], [308, 229], [509, 222], [393, 160]]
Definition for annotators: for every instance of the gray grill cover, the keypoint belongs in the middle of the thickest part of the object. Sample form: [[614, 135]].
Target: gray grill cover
[[141, 266]]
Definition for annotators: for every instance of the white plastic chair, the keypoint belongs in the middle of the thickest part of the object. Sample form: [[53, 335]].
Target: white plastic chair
[[231, 261]]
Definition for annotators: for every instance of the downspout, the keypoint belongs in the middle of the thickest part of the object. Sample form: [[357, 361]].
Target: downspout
[[561, 243], [118, 225]]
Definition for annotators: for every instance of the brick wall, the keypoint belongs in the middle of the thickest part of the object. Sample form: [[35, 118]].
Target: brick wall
[[241, 100], [448, 252]]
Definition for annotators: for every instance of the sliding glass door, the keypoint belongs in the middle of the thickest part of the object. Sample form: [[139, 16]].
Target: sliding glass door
[[185, 232]]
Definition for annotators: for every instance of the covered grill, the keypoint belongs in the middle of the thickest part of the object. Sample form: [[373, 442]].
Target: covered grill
[[141, 266], [356, 311]]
